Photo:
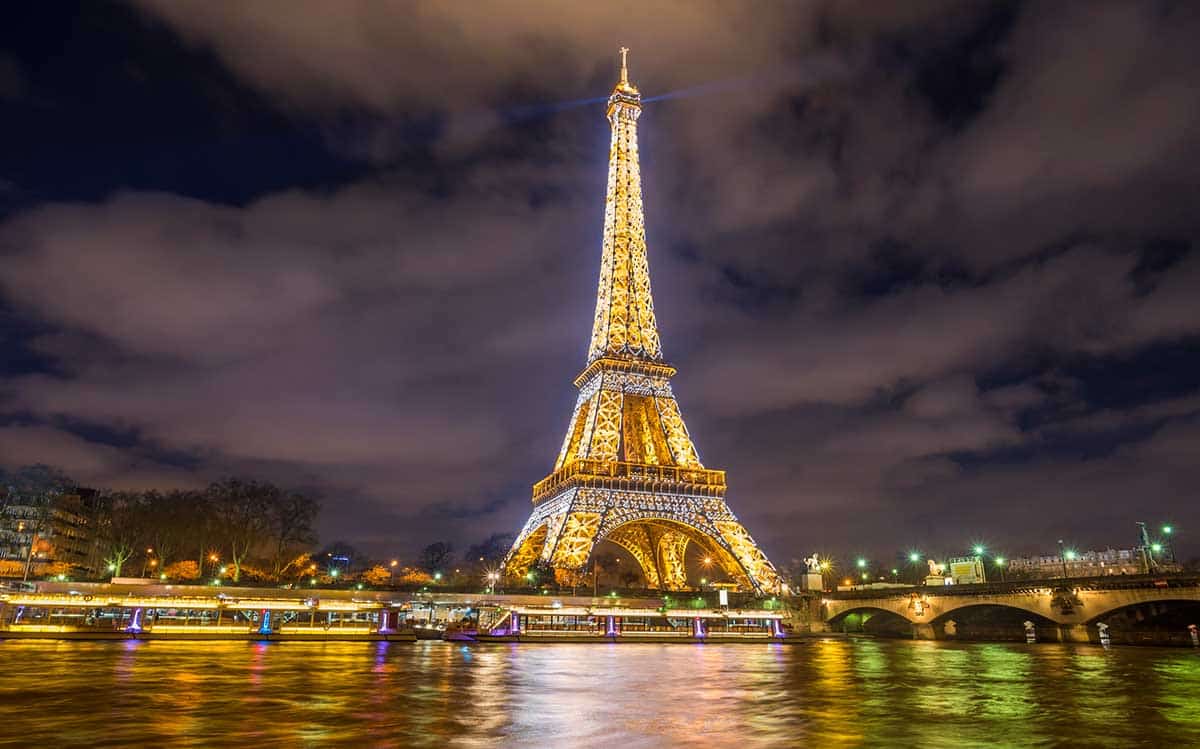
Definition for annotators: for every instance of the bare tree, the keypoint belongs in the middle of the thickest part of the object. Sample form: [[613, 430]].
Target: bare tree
[[290, 518], [436, 556], [123, 528], [241, 511]]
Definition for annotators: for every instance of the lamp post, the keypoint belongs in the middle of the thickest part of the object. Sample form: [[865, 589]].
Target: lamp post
[[1000, 564], [1062, 557]]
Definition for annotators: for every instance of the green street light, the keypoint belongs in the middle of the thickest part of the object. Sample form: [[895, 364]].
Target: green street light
[[1070, 554], [1167, 530], [862, 563], [864, 576], [978, 550], [437, 576], [1156, 548], [999, 561], [333, 572], [895, 571], [914, 557]]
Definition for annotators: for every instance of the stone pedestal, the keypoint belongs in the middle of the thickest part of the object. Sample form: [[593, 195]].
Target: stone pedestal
[[923, 631], [811, 581]]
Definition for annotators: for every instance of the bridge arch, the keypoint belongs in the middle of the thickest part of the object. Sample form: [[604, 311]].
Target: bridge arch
[[1178, 603], [873, 620], [1041, 616]]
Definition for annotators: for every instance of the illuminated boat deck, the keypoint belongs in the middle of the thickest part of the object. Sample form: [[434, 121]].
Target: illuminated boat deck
[[194, 612]]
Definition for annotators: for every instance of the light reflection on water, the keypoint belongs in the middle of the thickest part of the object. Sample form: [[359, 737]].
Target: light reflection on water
[[826, 693]]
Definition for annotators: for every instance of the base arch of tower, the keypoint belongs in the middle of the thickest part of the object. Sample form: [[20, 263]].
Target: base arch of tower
[[566, 542], [659, 545]]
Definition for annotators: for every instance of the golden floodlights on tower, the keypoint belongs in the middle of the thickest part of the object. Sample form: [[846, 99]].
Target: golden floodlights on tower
[[628, 471]]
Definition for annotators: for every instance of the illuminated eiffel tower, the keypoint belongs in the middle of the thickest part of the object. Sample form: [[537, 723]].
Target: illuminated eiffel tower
[[628, 471]]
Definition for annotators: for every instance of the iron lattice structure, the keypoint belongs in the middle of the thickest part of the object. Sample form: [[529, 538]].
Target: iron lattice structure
[[628, 471]]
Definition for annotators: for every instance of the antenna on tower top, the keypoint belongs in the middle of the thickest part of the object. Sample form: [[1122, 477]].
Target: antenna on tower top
[[625, 65]]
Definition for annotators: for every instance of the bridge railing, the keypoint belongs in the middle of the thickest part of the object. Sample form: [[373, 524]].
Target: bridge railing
[[1104, 582]]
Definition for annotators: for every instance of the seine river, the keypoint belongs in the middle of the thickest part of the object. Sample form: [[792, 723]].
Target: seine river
[[824, 693]]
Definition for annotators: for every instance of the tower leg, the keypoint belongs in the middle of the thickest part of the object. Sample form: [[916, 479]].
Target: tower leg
[[636, 540], [672, 545]]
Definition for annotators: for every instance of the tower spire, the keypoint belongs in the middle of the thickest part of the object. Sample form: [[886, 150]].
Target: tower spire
[[624, 325]]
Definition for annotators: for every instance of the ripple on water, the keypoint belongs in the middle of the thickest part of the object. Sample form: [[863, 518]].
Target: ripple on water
[[827, 693]]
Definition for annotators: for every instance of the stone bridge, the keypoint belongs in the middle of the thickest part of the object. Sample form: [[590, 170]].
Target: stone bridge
[[1063, 609]]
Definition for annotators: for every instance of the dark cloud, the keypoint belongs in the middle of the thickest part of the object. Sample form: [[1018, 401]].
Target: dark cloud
[[904, 255]]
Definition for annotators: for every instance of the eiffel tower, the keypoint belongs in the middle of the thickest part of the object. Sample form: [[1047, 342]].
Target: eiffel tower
[[628, 472]]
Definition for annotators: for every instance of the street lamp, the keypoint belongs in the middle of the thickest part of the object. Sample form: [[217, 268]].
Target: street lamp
[[978, 550], [862, 563], [914, 556], [1000, 563]]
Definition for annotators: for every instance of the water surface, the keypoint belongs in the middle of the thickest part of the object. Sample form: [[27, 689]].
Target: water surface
[[827, 693]]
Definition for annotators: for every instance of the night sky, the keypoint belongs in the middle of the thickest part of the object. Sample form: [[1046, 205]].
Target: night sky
[[928, 270]]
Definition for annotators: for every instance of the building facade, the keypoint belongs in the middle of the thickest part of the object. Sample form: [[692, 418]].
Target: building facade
[[57, 531], [1090, 564]]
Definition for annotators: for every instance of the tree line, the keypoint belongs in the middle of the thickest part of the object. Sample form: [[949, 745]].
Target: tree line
[[232, 522], [234, 529]]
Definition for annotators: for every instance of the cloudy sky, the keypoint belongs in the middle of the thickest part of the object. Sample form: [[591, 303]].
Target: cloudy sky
[[929, 270]]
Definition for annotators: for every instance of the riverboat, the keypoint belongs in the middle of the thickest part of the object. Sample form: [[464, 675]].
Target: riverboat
[[620, 624], [86, 616]]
